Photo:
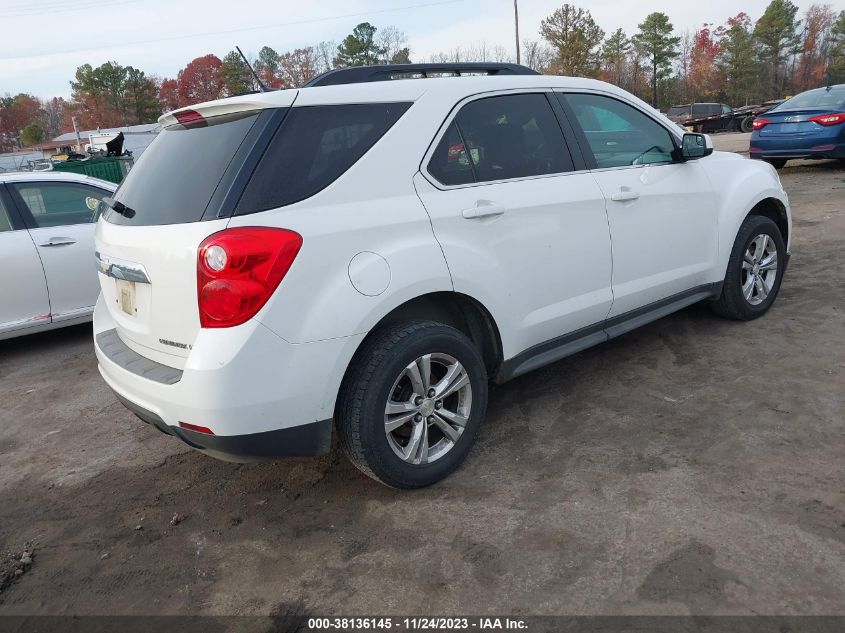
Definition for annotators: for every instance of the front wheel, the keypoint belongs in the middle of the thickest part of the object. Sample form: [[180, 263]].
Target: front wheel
[[755, 270], [412, 403]]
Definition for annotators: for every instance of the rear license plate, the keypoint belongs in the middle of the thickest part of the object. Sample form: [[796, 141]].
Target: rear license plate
[[126, 296], [788, 128]]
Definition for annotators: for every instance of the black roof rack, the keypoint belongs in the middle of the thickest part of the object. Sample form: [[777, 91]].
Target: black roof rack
[[365, 74]]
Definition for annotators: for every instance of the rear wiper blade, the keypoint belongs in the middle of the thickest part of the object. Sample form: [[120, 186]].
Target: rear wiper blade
[[119, 207]]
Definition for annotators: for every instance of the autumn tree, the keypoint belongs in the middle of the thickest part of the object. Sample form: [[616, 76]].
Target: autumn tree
[[575, 37], [16, 113], [235, 74], [775, 33], [168, 95], [660, 47], [298, 67], [200, 80], [360, 47], [703, 72], [736, 60], [815, 48]]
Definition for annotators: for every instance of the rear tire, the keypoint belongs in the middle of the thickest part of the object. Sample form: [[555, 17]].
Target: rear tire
[[388, 427], [747, 124], [755, 270], [777, 163]]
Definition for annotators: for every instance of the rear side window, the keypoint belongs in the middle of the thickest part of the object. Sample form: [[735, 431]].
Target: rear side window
[[312, 148], [175, 178], [60, 204], [498, 138]]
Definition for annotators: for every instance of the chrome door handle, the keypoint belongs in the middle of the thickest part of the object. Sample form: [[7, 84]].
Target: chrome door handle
[[482, 211], [58, 241], [625, 196]]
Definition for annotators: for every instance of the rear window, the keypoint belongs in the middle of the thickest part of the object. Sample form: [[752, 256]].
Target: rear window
[[832, 97], [312, 148], [175, 178]]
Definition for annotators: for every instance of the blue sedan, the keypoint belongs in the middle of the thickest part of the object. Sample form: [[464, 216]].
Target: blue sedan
[[809, 125]]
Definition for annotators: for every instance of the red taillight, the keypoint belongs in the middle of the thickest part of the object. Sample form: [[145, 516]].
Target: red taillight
[[829, 119], [195, 427], [190, 118], [760, 123], [239, 269]]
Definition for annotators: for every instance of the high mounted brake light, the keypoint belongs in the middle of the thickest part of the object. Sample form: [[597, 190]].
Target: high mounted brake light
[[759, 124], [829, 119], [190, 118], [239, 269]]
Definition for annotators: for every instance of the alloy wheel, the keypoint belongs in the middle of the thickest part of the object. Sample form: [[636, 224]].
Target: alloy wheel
[[428, 408], [759, 269]]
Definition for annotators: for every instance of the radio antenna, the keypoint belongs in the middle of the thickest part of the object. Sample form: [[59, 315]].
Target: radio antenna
[[261, 86]]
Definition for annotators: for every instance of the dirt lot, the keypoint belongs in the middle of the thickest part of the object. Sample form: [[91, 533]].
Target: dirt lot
[[693, 466]]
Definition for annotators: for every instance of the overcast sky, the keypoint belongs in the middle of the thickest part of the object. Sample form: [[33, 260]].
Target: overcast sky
[[44, 41]]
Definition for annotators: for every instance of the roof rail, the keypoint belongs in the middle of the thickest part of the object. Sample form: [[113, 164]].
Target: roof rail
[[365, 74]]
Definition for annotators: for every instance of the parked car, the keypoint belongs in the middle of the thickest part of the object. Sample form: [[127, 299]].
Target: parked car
[[46, 245], [366, 255], [809, 125]]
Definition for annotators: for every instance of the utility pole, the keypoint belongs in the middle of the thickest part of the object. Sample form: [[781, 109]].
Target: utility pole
[[516, 27], [76, 129]]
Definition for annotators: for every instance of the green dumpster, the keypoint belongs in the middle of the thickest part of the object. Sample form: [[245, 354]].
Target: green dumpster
[[111, 168]]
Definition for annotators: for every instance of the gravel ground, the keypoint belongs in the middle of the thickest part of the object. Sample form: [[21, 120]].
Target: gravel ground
[[692, 466]]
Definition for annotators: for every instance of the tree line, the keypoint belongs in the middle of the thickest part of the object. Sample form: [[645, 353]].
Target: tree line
[[737, 62]]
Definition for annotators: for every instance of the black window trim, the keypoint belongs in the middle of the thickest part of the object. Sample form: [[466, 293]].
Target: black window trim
[[453, 113], [581, 138], [11, 208], [23, 209]]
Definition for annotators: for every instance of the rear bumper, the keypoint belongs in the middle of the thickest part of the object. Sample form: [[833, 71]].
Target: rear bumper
[[816, 146], [306, 440], [261, 396]]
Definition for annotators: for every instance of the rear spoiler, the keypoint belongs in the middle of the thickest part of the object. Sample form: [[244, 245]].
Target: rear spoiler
[[233, 105]]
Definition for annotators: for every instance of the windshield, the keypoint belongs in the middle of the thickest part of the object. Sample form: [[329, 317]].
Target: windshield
[[175, 178], [833, 97]]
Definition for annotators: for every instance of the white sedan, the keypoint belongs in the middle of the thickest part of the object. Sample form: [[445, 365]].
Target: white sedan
[[47, 275]]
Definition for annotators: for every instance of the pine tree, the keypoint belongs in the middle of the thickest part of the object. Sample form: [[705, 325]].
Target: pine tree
[[777, 37], [575, 37], [661, 47]]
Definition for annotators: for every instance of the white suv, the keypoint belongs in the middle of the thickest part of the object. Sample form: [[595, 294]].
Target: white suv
[[367, 254]]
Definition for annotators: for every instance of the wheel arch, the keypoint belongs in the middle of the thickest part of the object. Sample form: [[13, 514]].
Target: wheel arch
[[456, 309], [775, 210]]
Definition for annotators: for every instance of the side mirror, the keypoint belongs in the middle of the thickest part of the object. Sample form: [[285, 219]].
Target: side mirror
[[696, 146]]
